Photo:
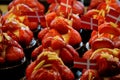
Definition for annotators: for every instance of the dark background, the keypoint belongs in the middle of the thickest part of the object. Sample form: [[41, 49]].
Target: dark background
[[5, 1]]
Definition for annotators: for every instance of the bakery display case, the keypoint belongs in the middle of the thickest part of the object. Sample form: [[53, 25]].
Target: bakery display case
[[60, 40]]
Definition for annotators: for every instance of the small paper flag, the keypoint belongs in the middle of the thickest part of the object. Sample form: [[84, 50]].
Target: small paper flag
[[89, 23], [35, 16], [113, 16], [66, 5], [84, 63]]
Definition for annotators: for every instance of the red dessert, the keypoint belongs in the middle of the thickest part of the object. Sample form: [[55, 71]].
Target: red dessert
[[106, 58], [18, 31], [34, 4], [48, 66], [12, 60]]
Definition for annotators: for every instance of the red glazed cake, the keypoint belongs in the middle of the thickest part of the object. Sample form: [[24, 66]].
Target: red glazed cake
[[12, 60]]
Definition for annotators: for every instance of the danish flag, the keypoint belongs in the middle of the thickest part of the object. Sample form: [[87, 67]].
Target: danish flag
[[35, 16], [89, 23], [85, 63], [66, 5], [113, 16]]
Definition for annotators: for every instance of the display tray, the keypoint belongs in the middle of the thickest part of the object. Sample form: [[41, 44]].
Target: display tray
[[13, 72]]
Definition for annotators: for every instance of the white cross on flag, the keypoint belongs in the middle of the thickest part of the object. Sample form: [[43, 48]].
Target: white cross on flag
[[89, 23], [66, 5], [35, 16], [84, 63], [113, 16]]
